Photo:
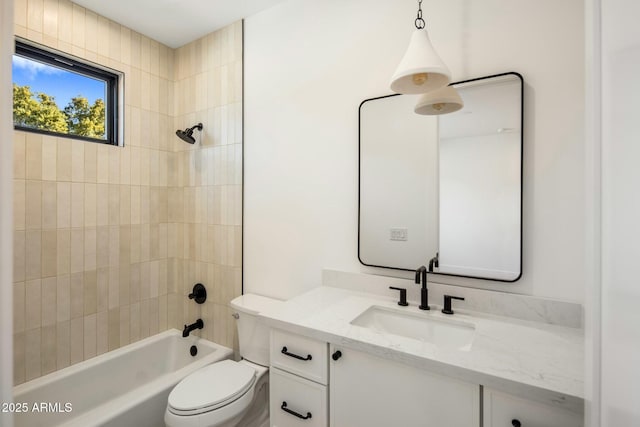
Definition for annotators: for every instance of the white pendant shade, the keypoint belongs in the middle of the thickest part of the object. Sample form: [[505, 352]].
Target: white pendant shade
[[421, 69], [440, 101]]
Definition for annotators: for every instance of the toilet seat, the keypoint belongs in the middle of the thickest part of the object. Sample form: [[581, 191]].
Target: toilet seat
[[211, 387]]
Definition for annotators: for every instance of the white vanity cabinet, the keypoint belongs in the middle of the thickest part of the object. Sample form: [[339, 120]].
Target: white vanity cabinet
[[368, 391], [504, 410], [297, 381]]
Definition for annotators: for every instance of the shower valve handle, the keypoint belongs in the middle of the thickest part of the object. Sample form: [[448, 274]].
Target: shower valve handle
[[199, 293]]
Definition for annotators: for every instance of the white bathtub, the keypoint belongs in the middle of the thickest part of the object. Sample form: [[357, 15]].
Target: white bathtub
[[122, 388]]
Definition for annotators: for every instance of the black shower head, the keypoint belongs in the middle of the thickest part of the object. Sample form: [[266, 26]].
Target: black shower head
[[187, 134]]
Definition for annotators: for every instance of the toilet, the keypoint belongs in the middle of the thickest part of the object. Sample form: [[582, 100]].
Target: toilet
[[229, 393]]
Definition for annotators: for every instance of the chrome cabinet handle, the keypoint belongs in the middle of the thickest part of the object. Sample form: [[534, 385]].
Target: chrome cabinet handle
[[295, 356], [294, 413]]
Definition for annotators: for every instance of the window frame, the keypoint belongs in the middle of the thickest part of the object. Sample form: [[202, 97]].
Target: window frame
[[113, 93]]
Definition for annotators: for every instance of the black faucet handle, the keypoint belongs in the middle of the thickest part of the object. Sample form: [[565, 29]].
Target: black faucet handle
[[447, 303], [199, 293], [403, 296]]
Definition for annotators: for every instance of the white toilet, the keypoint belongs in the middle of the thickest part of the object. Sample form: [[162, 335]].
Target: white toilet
[[229, 393]]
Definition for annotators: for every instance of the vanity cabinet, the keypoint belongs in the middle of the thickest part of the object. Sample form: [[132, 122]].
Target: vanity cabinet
[[368, 391], [504, 410], [297, 381]]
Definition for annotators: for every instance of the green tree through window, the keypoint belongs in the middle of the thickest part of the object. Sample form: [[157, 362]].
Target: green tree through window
[[62, 95]]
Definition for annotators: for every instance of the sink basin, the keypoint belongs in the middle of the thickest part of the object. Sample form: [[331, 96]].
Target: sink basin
[[440, 332]]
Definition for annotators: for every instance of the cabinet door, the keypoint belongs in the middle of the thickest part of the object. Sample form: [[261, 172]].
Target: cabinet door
[[295, 401], [504, 410], [367, 391]]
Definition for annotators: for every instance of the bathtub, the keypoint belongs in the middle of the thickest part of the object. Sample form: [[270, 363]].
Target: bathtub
[[125, 387]]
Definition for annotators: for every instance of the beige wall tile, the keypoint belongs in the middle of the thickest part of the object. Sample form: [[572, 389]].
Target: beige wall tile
[[49, 205], [125, 325], [50, 18], [63, 344], [63, 299], [63, 163], [102, 331], [102, 290], [90, 249], [78, 29], [78, 160], [102, 169], [76, 340], [114, 204], [102, 204], [19, 369], [33, 215], [48, 346], [65, 21], [134, 283], [90, 162], [49, 302], [19, 204], [32, 347], [49, 158], [90, 205], [33, 264], [19, 155], [90, 295], [19, 308], [63, 251], [49, 255], [114, 329], [77, 204], [114, 165], [77, 250], [77, 295], [33, 151], [90, 336], [63, 216]]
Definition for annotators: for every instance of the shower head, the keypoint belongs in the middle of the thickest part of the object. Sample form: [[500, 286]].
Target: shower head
[[187, 134]]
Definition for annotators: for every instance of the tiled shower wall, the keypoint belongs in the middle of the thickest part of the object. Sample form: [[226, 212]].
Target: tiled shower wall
[[205, 201], [107, 239]]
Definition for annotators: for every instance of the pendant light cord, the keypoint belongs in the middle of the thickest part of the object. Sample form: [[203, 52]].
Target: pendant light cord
[[419, 21]]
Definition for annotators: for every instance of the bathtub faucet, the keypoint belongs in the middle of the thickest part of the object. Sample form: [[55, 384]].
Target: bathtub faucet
[[187, 329]]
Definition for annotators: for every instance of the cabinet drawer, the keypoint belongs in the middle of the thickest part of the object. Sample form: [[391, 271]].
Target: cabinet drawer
[[299, 355], [296, 402], [502, 410]]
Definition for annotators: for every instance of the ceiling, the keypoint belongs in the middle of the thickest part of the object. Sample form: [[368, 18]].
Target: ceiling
[[176, 22]]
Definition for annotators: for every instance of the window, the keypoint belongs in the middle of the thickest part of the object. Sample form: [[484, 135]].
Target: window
[[57, 94]]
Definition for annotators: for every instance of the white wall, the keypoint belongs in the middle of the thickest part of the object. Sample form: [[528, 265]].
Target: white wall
[[620, 148], [308, 65], [6, 211]]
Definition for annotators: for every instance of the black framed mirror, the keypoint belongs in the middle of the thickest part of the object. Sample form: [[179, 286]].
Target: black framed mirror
[[447, 187]]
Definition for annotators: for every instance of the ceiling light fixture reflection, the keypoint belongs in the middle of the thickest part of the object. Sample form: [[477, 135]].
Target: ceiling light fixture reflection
[[440, 101]]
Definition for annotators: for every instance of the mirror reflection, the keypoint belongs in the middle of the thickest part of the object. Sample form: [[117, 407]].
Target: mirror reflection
[[447, 186]]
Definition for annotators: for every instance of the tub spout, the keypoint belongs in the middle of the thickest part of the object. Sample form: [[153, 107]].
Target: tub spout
[[188, 328]]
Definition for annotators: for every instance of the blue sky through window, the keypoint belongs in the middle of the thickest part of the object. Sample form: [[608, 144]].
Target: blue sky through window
[[57, 82]]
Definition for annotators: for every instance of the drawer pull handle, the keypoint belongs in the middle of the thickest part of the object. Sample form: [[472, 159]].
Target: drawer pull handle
[[294, 413], [337, 355], [295, 356], [516, 423]]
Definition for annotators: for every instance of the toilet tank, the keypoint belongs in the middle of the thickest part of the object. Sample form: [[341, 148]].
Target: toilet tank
[[253, 334]]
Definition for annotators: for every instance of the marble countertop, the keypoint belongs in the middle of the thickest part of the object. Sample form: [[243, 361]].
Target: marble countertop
[[534, 360]]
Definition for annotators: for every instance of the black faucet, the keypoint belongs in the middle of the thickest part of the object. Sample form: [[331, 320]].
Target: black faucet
[[421, 272], [187, 329], [434, 262]]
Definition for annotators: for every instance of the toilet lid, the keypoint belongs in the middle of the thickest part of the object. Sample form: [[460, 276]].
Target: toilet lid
[[212, 386]]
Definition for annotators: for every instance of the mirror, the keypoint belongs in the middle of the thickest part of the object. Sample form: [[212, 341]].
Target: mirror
[[448, 186]]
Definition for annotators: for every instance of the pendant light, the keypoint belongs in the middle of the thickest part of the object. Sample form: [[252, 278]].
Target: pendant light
[[421, 69], [440, 101]]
